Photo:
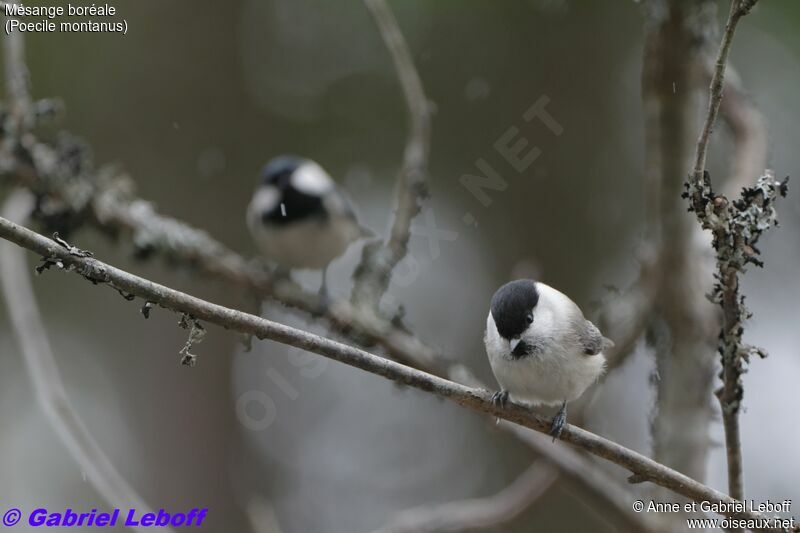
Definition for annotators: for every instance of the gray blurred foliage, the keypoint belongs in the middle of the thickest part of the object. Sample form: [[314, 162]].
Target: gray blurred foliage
[[199, 94]]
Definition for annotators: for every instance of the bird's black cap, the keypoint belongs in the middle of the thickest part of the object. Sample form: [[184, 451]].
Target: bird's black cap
[[279, 170], [512, 305], [295, 205]]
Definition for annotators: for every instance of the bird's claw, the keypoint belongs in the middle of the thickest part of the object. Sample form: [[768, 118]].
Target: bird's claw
[[559, 421], [324, 297], [500, 398]]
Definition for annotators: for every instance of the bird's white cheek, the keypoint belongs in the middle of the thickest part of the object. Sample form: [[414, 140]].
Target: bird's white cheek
[[531, 332], [265, 200], [495, 345], [543, 324]]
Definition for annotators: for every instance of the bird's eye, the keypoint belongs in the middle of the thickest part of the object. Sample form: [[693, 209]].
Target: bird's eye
[[529, 318]]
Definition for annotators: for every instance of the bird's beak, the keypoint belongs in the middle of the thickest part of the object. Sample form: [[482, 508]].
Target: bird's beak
[[513, 344]]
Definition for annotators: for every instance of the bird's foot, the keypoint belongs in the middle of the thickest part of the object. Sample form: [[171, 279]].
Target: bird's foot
[[324, 296], [500, 398], [559, 421]]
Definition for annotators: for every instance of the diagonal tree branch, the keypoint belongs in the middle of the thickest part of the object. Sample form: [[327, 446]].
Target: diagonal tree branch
[[114, 209], [69, 258], [72, 194], [40, 362]]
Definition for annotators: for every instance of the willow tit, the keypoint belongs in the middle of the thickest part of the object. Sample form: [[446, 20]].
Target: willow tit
[[541, 348], [299, 218]]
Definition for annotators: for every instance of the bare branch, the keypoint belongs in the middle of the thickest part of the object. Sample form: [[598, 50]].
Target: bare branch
[[478, 513], [40, 363], [475, 399], [736, 228], [16, 74], [739, 8], [375, 270]]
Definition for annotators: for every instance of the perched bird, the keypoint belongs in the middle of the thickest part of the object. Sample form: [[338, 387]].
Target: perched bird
[[541, 348], [299, 218]]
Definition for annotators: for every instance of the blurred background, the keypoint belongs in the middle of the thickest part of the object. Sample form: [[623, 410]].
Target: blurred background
[[199, 94]]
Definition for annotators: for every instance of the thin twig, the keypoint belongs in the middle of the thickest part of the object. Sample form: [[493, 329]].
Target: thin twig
[[16, 74], [40, 363], [478, 400], [739, 8], [478, 513], [374, 273], [735, 235]]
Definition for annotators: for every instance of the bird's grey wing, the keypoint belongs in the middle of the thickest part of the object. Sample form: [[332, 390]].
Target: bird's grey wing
[[339, 202], [592, 340]]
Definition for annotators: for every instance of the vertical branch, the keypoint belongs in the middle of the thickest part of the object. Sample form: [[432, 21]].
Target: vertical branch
[[16, 74], [686, 371], [739, 8], [44, 375], [373, 274], [730, 396], [736, 227]]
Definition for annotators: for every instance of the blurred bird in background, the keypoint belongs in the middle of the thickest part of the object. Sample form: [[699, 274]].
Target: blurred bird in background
[[299, 218]]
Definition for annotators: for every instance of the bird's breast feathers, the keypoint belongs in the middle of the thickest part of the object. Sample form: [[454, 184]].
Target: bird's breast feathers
[[557, 367]]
